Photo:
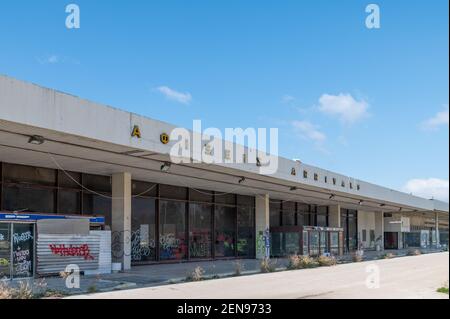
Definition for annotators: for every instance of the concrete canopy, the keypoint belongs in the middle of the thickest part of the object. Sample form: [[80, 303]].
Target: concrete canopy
[[87, 137]]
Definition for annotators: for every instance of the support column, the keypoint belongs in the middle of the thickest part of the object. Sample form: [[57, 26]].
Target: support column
[[334, 216], [379, 230], [121, 219], [262, 223], [436, 226]]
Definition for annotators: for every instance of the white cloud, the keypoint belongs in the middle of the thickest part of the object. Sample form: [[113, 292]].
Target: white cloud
[[50, 59], [440, 119], [287, 98], [344, 107], [428, 188], [184, 98], [309, 131]]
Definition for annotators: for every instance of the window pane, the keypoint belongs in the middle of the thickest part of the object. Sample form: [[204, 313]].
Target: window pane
[[200, 196], [229, 199], [200, 230], [69, 202], [246, 231], [245, 200], [96, 205], [225, 222], [69, 180], [143, 189], [28, 199], [143, 213], [172, 230], [28, 174], [302, 214], [172, 192], [288, 214], [97, 183], [5, 250], [275, 211]]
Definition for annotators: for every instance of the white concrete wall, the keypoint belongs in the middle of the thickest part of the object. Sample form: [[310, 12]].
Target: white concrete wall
[[32, 105], [366, 221]]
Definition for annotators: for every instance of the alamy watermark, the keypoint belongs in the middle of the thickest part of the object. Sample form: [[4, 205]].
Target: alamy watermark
[[73, 19], [241, 146], [373, 20]]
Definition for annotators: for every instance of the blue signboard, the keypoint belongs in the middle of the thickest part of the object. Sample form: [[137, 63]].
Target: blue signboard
[[36, 217]]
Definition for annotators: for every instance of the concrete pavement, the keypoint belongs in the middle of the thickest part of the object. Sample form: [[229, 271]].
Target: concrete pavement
[[406, 277]]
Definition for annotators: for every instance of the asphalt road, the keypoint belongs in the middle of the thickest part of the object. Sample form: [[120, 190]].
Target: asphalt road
[[404, 277]]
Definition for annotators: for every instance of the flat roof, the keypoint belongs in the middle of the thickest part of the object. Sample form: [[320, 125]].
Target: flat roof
[[84, 135]]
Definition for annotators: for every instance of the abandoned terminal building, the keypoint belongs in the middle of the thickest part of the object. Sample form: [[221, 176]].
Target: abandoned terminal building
[[93, 185]]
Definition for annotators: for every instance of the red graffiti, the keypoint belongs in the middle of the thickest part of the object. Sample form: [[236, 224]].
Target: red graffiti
[[73, 250]]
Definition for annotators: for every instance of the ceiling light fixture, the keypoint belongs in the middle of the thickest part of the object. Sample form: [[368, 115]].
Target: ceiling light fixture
[[293, 188], [332, 196], [36, 140], [242, 180], [165, 167]]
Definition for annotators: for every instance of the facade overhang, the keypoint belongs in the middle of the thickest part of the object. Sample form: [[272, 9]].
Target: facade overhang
[[83, 136]]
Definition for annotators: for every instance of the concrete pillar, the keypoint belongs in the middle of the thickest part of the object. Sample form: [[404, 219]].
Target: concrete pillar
[[121, 219], [379, 229], [334, 216], [436, 226], [262, 221]]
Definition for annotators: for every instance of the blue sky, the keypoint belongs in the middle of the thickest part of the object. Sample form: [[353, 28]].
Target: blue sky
[[369, 103]]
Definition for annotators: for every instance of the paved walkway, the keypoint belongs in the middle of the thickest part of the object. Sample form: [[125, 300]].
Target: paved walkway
[[407, 277], [161, 274]]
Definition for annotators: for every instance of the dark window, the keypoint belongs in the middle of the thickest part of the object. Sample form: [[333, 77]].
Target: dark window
[[172, 230], [316, 177], [274, 213], [143, 213], [288, 214], [143, 189], [364, 235], [201, 196], [97, 183], [305, 174], [372, 235], [222, 198], [172, 192], [22, 198], [96, 205], [69, 180], [322, 216], [69, 202], [302, 215], [28, 175], [225, 221], [246, 231], [200, 233]]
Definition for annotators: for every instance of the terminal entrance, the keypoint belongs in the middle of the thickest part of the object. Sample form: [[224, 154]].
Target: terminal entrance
[[306, 240]]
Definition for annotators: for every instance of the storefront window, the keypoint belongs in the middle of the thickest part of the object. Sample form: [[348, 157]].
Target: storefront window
[[274, 212], [172, 230], [302, 214], [225, 221], [69, 202], [200, 230], [96, 205], [143, 213], [24, 198], [322, 216], [288, 214], [246, 231]]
